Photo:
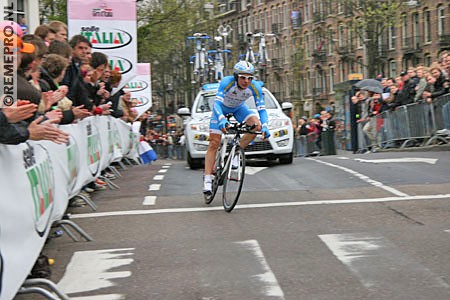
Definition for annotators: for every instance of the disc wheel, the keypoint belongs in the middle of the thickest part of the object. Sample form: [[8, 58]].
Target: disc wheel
[[233, 181]]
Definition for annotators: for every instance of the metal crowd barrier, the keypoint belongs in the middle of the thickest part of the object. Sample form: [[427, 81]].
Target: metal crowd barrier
[[417, 124]]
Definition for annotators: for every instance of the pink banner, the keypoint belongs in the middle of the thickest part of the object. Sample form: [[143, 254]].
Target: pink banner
[[101, 10]]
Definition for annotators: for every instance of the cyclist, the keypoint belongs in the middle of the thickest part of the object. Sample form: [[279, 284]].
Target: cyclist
[[230, 98]]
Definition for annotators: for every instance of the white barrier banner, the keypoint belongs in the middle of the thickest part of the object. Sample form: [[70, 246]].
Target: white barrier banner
[[37, 181], [140, 88], [26, 207]]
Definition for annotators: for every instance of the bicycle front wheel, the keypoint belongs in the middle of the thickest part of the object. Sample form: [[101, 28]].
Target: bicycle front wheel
[[234, 179]]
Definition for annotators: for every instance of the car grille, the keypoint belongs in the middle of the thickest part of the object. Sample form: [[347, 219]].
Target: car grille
[[256, 146]]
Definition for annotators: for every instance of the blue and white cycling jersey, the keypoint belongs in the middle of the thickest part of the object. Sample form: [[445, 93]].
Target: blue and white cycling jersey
[[231, 96], [230, 99]]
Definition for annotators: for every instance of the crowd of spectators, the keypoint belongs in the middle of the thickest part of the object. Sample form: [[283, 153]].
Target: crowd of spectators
[[59, 81], [420, 84]]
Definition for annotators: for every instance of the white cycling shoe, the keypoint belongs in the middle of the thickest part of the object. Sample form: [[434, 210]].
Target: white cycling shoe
[[235, 163], [207, 187]]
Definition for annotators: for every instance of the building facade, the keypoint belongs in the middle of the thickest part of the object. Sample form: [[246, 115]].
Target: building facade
[[317, 47]]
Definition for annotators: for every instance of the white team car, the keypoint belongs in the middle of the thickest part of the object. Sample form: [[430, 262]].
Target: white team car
[[196, 129]]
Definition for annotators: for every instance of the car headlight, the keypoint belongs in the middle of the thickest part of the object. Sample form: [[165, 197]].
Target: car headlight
[[278, 123], [200, 126]]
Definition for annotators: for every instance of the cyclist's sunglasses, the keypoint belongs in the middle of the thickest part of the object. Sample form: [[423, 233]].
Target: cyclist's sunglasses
[[249, 78]]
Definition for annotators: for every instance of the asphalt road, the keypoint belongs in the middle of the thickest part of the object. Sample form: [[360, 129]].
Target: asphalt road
[[372, 226]]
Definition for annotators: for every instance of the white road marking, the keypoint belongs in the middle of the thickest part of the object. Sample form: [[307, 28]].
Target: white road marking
[[377, 263], [253, 170], [343, 157], [100, 297], [364, 178], [271, 286], [167, 165], [149, 200], [260, 205], [431, 161], [154, 187], [94, 266], [158, 177], [163, 171], [447, 230]]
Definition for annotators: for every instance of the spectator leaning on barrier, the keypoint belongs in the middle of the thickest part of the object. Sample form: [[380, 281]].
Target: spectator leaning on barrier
[[301, 132], [13, 128], [420, 87], [437, 86], [73, 79], [407, 90]]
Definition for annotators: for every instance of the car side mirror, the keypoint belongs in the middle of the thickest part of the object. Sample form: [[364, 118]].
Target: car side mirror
[[184, 112], [285, 106]]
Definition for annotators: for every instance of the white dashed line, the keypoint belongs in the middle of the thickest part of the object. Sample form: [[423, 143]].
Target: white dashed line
[[154, 187], [149, 200], [158, 177], [163, 171]]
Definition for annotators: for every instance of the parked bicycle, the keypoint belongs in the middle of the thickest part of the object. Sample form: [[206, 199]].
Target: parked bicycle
[[229, 169], [200, 60]]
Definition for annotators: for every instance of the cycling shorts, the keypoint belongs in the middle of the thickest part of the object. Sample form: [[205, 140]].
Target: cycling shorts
[[241, 113]]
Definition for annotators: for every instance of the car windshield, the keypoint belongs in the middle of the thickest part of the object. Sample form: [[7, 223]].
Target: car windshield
[[206, 102]]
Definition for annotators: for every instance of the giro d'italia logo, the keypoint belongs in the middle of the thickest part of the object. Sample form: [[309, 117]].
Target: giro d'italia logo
[[136, 86], [120, 64], [106, 38]]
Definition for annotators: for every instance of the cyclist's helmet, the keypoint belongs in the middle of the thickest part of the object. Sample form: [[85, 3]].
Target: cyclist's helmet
[[243, 67]]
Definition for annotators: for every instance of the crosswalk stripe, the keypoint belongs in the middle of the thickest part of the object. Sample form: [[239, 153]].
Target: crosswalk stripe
[[163, 171], [149, 200], [377, 263]]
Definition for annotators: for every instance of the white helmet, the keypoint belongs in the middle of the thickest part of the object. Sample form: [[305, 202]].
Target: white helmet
[[244, 67]]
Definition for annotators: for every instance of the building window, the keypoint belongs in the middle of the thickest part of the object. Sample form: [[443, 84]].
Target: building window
[[359, 65], [330, 41], [341, 35], [342, 71], [308, 83], [441, 20], [307, 45], [391, 37], [332, 71], [306, 10], [427, 60], [392, 68], [404, 30], [427, 26]]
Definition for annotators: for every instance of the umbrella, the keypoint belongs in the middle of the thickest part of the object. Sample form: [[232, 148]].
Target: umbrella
[[371, 85]]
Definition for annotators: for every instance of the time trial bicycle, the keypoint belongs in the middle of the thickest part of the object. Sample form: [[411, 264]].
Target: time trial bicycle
[[229, 168]]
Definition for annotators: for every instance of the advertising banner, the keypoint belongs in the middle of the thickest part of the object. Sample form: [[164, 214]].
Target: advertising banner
[[38, 180], [110, 26], [140, 88]]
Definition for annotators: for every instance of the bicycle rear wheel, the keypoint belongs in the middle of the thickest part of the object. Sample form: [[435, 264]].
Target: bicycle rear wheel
[[234, 179], [217, 179]]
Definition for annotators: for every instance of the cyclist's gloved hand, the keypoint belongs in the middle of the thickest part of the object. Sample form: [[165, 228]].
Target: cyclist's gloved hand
[[223, 124], [265, 131]]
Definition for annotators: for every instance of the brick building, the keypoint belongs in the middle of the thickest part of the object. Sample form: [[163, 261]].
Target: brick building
[[316, 49]]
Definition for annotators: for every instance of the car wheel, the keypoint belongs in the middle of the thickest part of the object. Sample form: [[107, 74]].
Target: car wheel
[[286, 159], [194, 163]]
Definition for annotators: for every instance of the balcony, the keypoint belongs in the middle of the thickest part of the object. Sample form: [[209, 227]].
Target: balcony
[[319, 56], [346, 52], [411, 45], [277, 28], [444, 41], [277, 64], [319, 93], [318, 17]]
